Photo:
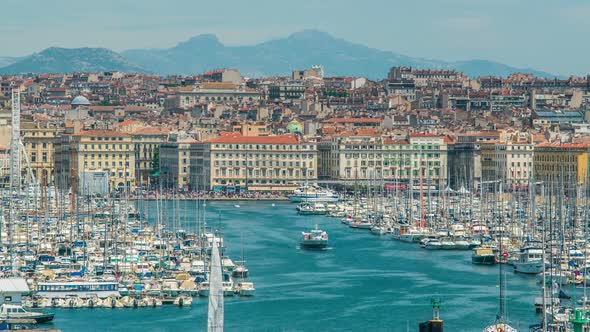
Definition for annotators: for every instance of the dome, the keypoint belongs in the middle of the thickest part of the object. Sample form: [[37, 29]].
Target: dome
[[295, 127], [80, 101]]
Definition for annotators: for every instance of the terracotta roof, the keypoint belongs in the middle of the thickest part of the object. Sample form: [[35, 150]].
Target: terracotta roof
[[558, 144], [359, 132], [353, 120], [235, 137], [127, 123], [150, 130], [101, 133], [424, 135], [218, 85]]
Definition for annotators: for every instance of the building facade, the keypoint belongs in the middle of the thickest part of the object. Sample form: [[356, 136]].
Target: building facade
[[267, 163], [96, 150], [561, 165], [419, 157], [39, 140]]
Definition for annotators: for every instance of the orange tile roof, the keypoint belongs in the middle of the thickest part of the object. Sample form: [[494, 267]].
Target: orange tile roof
[[235, 137], [558, 144], [127, 123], [353, 120], [424, 135], [150, 130], [101, 133], [218, 85]]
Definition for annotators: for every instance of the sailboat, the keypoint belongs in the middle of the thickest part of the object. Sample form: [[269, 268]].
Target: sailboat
[[501, 325], [215, 314]]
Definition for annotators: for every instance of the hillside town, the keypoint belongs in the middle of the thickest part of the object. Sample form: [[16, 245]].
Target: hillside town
[[221, 132]]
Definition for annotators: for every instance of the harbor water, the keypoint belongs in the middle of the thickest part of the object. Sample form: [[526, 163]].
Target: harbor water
[[361, 283]]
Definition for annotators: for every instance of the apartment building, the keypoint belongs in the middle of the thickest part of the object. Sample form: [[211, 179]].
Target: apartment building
[[96, 150], [147, 141], [561, 165], [509, 158], [266, 163], [39, 140], [175, 163], [351, 157]]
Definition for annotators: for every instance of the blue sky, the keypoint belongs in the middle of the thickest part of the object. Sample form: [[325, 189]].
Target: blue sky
[[550, 35]]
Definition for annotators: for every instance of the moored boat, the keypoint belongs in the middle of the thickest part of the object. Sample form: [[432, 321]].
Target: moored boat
[[316, 238]]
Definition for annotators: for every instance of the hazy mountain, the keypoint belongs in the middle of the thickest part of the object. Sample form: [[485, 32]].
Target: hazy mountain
[[275, 57], [298, 51], [7, 60], [67, 60]]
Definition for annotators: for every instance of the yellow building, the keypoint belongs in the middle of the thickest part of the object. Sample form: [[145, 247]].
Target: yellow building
[[103, 150], [39, 140], [561, 164]]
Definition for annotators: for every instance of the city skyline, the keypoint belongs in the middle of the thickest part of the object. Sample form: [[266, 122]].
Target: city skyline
[[455, 30]]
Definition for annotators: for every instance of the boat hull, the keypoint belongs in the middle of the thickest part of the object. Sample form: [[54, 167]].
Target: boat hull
[[483, 260], [314, 244], [247, 292], [529, 267], [314, 199]]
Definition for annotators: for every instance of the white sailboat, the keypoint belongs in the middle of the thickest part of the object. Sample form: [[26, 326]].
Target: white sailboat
[[215, 314]]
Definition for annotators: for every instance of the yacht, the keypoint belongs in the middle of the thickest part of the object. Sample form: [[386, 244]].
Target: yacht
[[530, 260], [433, 244], [307, 208], [316, 238], [313, 193], [412, 234], [245, 288]]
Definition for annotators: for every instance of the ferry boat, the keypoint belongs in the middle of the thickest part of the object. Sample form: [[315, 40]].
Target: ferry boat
[[313, 193], [315, 239], [483, 256], [16, 311], [81, 289]]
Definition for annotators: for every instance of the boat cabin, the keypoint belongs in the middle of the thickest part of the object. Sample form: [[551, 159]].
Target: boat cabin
[[12, 290]]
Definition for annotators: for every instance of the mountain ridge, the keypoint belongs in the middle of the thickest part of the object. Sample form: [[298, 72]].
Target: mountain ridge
[[273, 57], [69, 60]]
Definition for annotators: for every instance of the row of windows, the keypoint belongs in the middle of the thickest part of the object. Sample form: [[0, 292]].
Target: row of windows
[[106, 155], [253, 181], [106, 164], [34, 157], [262, 173], [264, 146], [390, 156], [106, 138], [106, 146], [263, 155], [262, 163], [389, 147], [349, 173], [34, 145]]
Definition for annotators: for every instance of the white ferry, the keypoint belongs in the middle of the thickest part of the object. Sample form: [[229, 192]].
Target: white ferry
[[313, 193], [81, 289]]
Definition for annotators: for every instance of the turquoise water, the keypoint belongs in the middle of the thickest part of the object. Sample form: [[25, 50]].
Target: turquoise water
[[363, 283]]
